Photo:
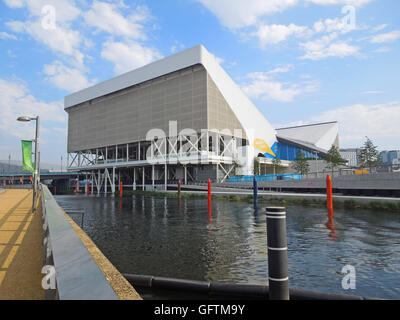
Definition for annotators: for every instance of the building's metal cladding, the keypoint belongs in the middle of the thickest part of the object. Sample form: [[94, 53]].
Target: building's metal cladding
[[181, 116]]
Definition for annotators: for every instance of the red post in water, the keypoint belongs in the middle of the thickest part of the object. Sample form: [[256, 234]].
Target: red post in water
[[329, 202], [209, 198], [209, 190], [88, 189], [120, 189], [76, 188]]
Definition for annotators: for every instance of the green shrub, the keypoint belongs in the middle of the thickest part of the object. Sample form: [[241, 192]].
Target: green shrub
[[392, 206], [349, 204], [375, 205], [233, 197]]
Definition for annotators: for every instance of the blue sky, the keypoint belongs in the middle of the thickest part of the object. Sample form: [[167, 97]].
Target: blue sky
[[299, 61]]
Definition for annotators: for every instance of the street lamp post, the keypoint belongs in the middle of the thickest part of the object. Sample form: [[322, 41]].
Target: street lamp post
[[36, 177]]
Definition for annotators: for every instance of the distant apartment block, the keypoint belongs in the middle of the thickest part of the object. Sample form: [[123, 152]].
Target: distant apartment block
[[350, 155], [391, 157]]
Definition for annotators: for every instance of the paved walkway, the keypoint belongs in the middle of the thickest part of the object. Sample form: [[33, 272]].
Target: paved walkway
[[21, 249]]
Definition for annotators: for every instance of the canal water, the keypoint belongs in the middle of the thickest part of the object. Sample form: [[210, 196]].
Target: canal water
[[165, 237]]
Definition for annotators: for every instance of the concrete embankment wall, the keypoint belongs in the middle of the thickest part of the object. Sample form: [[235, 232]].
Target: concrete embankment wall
[[82, 272], [380, 183]]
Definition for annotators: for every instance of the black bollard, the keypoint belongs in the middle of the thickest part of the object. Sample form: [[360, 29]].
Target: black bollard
[[277, 254]]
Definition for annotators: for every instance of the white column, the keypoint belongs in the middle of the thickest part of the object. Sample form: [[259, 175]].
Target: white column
[[105, 180], [134, 179], [185, 174], [143, 179], [113, 181], [152, 176], [92, 179], [165, 176], [98, 182]]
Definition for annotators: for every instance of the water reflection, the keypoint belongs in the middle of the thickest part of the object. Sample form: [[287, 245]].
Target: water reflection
[[226, 242], [330, 225]]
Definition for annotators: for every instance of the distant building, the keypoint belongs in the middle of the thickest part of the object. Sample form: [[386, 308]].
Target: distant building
[[391, 157], [351, 156]]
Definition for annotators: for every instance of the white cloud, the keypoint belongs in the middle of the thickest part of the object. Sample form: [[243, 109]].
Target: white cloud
[[128, 55], [386, 37], [107, 17], [273, 34], [359, 120], [357, 3], [284, 69], [65, 78], [332, 25], [177, 47], [236, 14], [372, 92], [5, 35], [61, 40], [16, 100], [380, 27], [262, 85], [15, 3], [382, 50], [324, 47], [65, 10]]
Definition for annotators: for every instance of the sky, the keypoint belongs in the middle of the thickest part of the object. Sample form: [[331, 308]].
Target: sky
[[299, 61]]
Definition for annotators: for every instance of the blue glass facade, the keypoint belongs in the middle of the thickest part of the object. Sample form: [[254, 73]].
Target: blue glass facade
[[287, 152]]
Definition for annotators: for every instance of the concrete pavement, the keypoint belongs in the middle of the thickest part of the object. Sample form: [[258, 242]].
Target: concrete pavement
[[21, 249]]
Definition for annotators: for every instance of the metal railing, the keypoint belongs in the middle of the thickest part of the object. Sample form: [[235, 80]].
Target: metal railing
[[265, 177]]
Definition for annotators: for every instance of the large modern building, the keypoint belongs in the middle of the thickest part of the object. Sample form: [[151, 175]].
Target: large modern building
[[179, 117]]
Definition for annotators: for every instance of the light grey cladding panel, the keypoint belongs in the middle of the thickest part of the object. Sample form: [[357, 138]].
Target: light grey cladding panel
[[220, 115], [127, 115]]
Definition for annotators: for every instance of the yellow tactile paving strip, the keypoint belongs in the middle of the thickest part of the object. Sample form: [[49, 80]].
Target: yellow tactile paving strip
[[21, 249]]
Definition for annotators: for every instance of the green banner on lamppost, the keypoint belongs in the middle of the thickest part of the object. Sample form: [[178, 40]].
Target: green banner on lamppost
[[27, 164]]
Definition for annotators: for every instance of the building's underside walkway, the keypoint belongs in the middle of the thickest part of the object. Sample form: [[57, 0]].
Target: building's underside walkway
[[21, 249]]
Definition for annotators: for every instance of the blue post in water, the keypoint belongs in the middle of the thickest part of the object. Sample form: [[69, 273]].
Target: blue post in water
[[255, 190]]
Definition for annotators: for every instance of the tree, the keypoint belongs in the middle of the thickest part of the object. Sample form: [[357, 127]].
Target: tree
[[300, 164], [276, 163], [369, 155], [256, 167], [333, 158]]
